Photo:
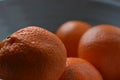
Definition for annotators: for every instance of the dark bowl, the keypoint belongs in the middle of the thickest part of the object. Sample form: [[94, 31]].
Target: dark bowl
[[50, 14]]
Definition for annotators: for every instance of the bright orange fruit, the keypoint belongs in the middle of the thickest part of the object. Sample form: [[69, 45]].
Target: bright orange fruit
[[101, 46], [32, 53], [70, 33], [79, 69]]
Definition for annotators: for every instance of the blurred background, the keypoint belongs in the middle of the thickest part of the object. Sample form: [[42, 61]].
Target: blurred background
[[50, 14]]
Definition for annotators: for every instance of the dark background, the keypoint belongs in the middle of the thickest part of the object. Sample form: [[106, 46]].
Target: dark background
[[50, 14]]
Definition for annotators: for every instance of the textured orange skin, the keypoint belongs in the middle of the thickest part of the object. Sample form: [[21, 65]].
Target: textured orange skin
[[70, 33], [101, 46], [32, 53], [79, 69]]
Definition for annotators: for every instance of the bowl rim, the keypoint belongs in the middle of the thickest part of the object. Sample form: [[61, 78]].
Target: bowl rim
[[108, 2]]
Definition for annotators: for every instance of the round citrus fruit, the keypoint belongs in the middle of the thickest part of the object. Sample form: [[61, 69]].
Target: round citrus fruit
[[70, 33], [32, 53], [79, 69], [101, 46]]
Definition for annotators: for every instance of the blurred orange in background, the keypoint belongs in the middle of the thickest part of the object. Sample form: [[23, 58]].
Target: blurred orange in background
[[79, 69], [70, 33], [101, 46]]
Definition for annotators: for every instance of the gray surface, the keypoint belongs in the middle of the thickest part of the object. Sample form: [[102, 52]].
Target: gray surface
[[50, 14]]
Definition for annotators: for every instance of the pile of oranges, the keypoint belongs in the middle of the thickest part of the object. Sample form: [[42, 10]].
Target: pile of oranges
[[77, 51], [99, 45]]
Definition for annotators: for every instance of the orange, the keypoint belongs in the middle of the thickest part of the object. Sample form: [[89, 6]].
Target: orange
[[101, 46], [70, 33], [79, 69], [32, 53]]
